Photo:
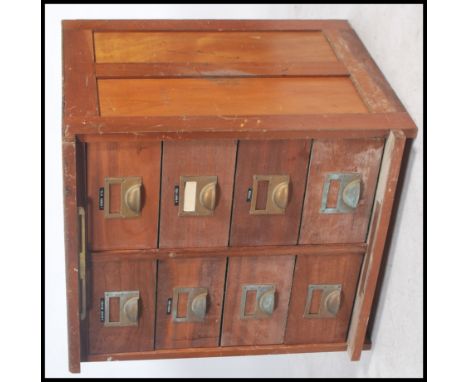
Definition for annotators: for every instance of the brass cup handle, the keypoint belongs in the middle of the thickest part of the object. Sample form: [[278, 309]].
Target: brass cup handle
[[208, 196], [133, 198], [266, 302], [198, 305], [333, 302], [281, 194], [131, 309], [352, 193]]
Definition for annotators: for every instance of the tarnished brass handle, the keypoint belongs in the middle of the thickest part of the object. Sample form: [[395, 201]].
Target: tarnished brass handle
[[208, 196], [267, 302], [281, 194], [130, 309], [82, 262], [198, 305], [351, 193], [333, 302], [133, 198]]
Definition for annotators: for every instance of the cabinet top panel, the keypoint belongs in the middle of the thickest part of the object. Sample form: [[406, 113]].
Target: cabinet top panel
[[216, 70]]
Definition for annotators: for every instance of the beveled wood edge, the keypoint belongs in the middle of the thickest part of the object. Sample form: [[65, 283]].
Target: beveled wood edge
[[281, 250], [71, 255], [367, 77], [221, 351], [205, 25], [244, 127], [224, 70], [380, 219]]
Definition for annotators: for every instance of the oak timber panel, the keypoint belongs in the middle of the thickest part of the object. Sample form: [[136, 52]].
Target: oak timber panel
[[332, 269], [212, 47], [228, 96], [196, 158], [269, 158], [115, 276], [207, 273], [340, 156], [275, 270], [121, 160]]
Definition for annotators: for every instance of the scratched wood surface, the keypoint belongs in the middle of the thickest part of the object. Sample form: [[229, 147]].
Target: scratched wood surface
[[116, 276], [212, 47], [192, 273], [228, 96], [120, 160], [340, 156], [196, 158], [276, 270], [333, 269]]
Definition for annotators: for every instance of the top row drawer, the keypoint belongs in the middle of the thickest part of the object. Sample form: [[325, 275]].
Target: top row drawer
[[219, 193]]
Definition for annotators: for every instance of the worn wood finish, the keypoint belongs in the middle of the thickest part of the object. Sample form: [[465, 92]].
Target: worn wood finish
[[206, 25], [367, 77], [242, 69], [212, 47], [208, 273], [122, 275], [121, 160], [269, 158], [71, 255], [340, 156], [266, 127], [79, 81], [197, 158], [333, 269], [228, 351], [228, 96], [269, 250], [277, 270], [383, 206]]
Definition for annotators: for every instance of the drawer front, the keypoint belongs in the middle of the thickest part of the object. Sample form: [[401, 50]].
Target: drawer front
[[256, 301], [122, 307], [322, 298], [269, 190], [123, 194], [197, 213], [340, 190], [190, 298]]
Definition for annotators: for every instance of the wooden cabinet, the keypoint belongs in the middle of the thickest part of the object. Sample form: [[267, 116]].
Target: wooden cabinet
[[228, 187]]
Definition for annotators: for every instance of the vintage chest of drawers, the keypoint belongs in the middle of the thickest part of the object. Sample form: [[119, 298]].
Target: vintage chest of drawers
[[228, 187]]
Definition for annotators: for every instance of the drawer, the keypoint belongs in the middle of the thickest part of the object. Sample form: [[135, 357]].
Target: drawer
[[322, 298], [123, 194], [200, 176], [122, 306], [269, 190], [340, 190], [256, 301]]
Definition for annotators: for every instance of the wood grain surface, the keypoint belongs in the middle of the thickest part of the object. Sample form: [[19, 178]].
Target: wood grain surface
[[191, 273], [269, 158], [197, 158], [228, 96], [275, 270], [121, 160], [340, 156], [333, 269], [115, 276]]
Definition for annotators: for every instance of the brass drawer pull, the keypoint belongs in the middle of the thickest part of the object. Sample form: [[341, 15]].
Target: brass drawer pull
[[197, 195], [277, 194], [196, 304], [130, 197], [330, 300], [264, 301], [348, 194], [128, 308]]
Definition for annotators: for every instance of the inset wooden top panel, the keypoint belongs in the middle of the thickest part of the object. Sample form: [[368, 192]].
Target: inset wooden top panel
[[228, 96], [212, 47]]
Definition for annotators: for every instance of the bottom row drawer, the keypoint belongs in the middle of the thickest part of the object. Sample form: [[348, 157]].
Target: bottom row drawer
[[210, 302]]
